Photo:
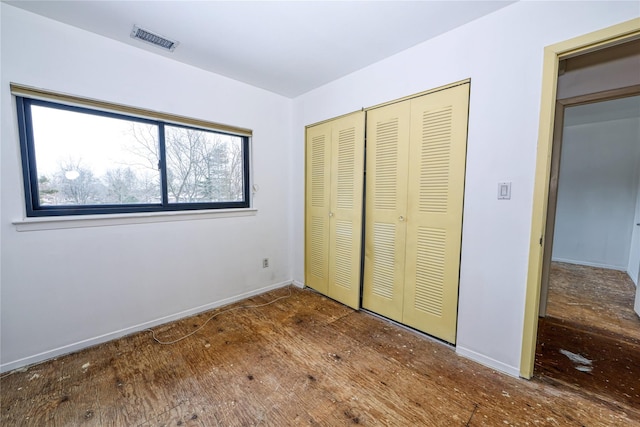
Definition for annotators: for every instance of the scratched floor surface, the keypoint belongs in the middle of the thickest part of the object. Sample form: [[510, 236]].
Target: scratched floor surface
[[590, 339], [304, 360]]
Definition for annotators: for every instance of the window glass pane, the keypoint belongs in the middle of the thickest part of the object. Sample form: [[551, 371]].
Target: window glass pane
[[83, 161], [90, 159], [203, 166]]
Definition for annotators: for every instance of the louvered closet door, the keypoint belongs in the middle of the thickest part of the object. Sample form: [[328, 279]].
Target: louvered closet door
[[317, 192], [437, 155], [345, 217], [385, 225]]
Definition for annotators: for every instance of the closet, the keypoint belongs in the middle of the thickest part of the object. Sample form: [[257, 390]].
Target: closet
[[333, 205], [415, 168], [416, 151]]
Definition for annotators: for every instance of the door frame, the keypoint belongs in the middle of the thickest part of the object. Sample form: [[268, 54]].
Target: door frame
[[597, 40]]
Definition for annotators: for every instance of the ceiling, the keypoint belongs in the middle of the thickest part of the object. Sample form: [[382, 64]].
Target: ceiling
[[286, 47]]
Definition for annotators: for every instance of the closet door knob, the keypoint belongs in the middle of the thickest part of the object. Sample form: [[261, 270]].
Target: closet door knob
[[330, 214], [401, 218]]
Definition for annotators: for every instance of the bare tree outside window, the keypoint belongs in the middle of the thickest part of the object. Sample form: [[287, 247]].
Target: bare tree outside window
[[203, 166], [77, 185]]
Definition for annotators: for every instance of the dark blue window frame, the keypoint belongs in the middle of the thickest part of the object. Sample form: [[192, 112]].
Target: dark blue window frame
[[30, 173]]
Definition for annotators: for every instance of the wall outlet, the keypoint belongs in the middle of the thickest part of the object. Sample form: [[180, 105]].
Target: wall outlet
[[265, 262]]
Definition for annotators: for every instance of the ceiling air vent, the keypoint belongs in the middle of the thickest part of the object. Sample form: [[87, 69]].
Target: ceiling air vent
[[152, 38]]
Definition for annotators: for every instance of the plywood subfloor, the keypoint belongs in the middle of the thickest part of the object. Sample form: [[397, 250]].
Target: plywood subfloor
[[590, 339], [304, 360], [594, 296]]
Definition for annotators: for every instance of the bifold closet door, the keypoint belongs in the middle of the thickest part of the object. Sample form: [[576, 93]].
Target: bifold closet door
[[386, 204], [317, 192], [416, 151], [437, 157], [335, 169]]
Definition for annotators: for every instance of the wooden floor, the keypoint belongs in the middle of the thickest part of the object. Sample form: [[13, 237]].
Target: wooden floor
[[594, 296], [304, 360], [590, 339]]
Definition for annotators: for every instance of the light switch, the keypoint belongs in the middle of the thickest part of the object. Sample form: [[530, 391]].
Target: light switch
[[504, 190]]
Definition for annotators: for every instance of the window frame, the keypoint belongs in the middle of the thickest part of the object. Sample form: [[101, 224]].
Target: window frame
[[30, 174]]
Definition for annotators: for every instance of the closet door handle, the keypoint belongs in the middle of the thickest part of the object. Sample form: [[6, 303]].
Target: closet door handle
[[330, 214], [401, 219]]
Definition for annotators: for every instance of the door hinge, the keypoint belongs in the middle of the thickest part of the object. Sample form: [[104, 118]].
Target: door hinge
[[540, 240]]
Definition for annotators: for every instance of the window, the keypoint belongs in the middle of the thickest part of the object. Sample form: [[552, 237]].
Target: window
[[78, 160]]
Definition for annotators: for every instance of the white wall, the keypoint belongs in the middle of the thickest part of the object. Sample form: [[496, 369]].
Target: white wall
[[64, 289], [636, 306], [502, 54], [633, 268], [597, 189]]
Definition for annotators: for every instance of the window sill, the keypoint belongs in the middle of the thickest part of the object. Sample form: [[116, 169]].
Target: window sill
[[83, 221]]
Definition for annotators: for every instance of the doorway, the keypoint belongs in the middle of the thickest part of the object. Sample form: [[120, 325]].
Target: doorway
[[588, 333], [553, 54], [588, 336]]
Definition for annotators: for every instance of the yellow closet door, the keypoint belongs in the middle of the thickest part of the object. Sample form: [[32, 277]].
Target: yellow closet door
[[345, 216], [317, 207], [386, 196], [438, 141]]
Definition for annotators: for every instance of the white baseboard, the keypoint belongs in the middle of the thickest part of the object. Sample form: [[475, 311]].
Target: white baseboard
[[50, 354], [590, 264], [298, 284], [489, 362]]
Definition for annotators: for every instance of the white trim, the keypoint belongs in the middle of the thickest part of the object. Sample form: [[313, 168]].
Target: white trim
[[589, 264], [487, 361], [298, 284], [40, 357], [82, 221]]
